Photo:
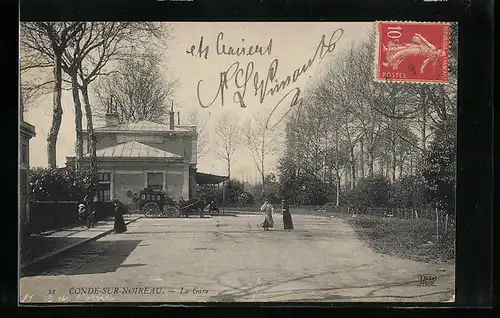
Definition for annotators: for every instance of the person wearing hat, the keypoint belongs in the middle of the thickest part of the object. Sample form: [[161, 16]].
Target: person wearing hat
[[119, 225], [268, 210], [81, 212]]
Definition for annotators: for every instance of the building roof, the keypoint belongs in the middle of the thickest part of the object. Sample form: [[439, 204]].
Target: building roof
[[133, 149], [27, 129], [205, 178], [143, 125]]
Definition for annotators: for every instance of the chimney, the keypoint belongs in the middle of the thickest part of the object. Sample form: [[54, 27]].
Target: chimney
[[112, 118], [172, 117]]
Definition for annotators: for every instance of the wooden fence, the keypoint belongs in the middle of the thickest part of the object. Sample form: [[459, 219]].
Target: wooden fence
[[445, 223]]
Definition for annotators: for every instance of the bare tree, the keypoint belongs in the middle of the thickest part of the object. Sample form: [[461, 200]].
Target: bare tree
[[114, 41], [138, 90], [349, 122], [29, 93], [227, 129], [339, 87], [43, 45], [193, 118], [260, 141], [83, 54]]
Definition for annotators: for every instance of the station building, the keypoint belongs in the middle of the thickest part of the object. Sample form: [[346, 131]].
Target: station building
[[135, 155]]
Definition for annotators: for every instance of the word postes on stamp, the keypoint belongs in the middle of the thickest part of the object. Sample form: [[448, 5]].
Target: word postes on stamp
[[415, 52]]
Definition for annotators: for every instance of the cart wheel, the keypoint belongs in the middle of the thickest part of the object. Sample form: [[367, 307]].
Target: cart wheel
[[151, 209], [171, 211]]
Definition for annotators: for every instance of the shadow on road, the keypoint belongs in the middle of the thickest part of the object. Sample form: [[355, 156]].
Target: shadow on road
[[90, 258], [264, 292], [38, 246]]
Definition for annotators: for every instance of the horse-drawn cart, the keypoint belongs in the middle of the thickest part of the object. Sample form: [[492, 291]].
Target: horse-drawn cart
[[155, 203]]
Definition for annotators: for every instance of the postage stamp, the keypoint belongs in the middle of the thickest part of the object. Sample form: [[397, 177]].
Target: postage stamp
[[415, 52]]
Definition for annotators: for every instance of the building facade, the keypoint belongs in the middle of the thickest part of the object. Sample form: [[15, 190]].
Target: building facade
[[132, 156], [27, 132]]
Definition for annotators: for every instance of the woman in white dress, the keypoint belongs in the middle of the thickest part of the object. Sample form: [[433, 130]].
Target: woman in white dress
[[268, 210]]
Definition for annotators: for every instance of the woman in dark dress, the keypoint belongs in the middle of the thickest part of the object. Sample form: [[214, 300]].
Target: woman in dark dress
[[119, 226], [287, 216]]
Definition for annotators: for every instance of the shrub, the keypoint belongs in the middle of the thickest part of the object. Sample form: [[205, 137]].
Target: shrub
[[371, 192], [60, 184], [408, 192], [439, 167]]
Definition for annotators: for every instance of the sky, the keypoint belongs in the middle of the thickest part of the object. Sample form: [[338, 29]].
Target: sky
[[293, 44]]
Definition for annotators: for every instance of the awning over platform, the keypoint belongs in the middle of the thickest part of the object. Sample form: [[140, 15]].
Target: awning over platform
[[205, 178]]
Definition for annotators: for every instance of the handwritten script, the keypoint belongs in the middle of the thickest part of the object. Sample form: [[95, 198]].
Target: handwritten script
[[238, 80]]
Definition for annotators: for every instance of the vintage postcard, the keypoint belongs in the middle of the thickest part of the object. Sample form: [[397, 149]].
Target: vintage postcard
[[237, 161]]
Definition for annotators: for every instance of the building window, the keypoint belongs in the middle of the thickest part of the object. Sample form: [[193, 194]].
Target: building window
[[104, 187], [104, 177], [103, 192], [155, 181], [24, 153]]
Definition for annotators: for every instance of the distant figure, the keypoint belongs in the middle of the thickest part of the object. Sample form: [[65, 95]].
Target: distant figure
[[287, 216], [268, 210], [82, 213], [181, 203], [119, 226], [213, 207], [90, 212]]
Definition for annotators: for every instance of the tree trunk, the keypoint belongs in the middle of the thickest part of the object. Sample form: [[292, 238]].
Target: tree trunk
[[411, 161], [424, 121], [347, 184], [229, 169], [263, 175], [362, 157], [370, 163], [394, 159], [401, 164], [353, 168], [57, 112], [78, 117], [338, 190], [92, 139]]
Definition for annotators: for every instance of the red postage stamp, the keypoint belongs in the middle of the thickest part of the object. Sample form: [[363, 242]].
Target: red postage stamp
[[415, 52]]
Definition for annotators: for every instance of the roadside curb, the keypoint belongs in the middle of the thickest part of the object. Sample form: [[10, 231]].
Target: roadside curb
[[224, 214], [64, 249], [235, 213]]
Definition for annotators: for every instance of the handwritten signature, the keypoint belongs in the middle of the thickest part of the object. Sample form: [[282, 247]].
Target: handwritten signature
[[243, 77]]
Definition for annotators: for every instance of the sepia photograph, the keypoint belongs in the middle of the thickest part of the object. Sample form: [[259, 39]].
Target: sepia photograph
[[237, 161]]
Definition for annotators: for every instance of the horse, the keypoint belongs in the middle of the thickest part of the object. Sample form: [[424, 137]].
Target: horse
[[191, 206]]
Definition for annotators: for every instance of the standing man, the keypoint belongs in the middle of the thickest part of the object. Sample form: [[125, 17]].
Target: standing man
[[91, 215], [88, 212]]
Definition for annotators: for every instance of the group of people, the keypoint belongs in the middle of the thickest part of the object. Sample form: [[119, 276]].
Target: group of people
[[268, 210], [120, 227], [88, 215]]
